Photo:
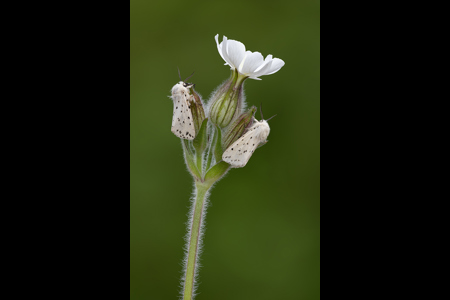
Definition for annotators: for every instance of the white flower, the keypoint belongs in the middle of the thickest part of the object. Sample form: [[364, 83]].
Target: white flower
[[251, 64]]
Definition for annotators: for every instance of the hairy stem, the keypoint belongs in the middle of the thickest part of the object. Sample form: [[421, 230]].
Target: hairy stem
[[194, 242], [211, 148], [199, 161]]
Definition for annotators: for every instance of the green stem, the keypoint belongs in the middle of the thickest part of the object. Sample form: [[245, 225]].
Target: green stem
[[211, 148], [209, 158], [195, 239], [199, 162]]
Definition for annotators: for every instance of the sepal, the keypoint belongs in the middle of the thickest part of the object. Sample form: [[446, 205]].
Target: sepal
[[201, 140], [216, 172], [218, 151], [190, 160]]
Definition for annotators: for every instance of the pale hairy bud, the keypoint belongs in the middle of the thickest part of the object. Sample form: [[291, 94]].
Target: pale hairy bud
[[198, 113], [227, 101]]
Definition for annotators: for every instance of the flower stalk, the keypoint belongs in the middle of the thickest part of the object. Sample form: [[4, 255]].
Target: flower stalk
[[205, 178], [195, 238]]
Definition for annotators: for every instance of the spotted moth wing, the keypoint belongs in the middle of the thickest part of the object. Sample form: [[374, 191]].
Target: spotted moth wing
[[182, 122], [239, 153]]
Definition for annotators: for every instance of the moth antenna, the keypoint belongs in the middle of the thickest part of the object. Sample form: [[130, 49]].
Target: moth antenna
[[189, 77], [270, 118], [260, 110], [179, 73]]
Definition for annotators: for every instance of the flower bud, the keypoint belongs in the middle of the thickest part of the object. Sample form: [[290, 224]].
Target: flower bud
[[198, 114], [227, 101], [238, 127]]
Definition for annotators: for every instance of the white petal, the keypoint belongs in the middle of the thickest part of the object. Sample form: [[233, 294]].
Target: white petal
[[252, 62], [225, 52], [276, 66], [266, 61], [219, 46], [262, 71], [236, 52]]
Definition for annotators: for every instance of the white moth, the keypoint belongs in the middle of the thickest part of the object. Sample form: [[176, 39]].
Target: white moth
[[182, 122], [238, 154]]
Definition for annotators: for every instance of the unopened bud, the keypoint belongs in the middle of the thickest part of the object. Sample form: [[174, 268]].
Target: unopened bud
[[237, 129], [227, 101], [198, 114]]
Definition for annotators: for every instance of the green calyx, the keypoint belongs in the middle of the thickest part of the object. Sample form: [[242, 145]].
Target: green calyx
[[198, 114], [227, 101]]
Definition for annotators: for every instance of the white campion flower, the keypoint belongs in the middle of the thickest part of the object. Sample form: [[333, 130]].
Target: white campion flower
[[247, 63]]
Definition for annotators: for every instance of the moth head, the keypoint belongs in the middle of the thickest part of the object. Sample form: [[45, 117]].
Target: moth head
[[188, 85], [265, 130], [183, 82]]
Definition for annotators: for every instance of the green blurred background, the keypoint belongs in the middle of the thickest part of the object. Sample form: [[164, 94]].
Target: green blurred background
[[262, 233]]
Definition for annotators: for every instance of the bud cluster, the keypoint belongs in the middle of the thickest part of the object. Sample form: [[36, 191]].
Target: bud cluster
[[211, 133], [228, 122]]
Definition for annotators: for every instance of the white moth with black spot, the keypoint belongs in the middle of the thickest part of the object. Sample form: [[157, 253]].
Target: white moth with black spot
[[182, 122], [238, 154]]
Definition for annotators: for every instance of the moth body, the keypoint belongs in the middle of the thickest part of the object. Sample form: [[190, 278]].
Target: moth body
[[182, 122], [239, 153]]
